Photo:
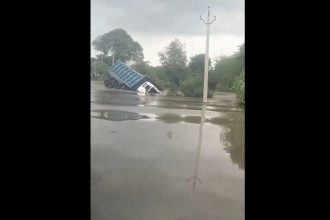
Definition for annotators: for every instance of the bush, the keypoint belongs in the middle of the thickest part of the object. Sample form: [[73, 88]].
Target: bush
[[101, 69], [192, 87], [238, 87]]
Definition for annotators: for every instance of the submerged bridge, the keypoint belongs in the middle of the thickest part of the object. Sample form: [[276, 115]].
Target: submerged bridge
[[121, 76]]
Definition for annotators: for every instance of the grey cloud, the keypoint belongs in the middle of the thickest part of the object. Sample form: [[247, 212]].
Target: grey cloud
[[167, 17]]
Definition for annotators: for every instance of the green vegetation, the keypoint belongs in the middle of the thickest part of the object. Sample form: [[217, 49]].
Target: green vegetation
[[192, 86], [176, 74], [156, 74], [99, 69], [239, 88], [227, 68], [173, 60], [120, 44]]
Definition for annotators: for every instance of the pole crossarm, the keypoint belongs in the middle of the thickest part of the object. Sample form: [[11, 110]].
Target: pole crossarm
[[214, 18], [208, 17], [202, 19]]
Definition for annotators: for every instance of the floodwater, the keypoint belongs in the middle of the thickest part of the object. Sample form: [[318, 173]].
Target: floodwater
[[153, 158]]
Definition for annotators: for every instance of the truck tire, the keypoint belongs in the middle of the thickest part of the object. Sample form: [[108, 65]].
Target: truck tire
[[117, 85], [111, 84]]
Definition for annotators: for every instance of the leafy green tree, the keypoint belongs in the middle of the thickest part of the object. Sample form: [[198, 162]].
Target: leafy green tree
[[197, 63], [238, 87], [108, 60], [227, 75], [156, 74], [213, 82], [193, 87], [100, 69], [120, 44], [102, 44], [174, 60], [143, 67], [227, 68]]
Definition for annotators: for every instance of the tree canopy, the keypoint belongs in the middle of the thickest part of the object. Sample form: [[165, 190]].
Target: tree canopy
[[197, 63], [174, 60], [99, 68], [120, 44], [227, 68]]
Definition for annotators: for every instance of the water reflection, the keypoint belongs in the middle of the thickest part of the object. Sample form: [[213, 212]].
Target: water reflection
[[109, 97], [175, 118], [170, 118], [169, 134], [195, 177], [116, 115], [233, 138]]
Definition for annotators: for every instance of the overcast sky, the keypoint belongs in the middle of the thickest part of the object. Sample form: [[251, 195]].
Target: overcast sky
[[155, 23]]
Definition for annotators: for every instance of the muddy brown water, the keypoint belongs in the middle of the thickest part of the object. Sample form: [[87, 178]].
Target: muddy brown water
[[143, 151]]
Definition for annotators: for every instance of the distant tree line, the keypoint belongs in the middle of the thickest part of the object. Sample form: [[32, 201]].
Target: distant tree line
[[175, 74]]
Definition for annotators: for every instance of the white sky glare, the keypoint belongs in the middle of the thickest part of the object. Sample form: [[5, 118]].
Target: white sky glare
[[155, 23]]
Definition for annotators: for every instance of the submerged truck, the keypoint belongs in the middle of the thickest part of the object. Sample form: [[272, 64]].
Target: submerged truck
[[121, 76]]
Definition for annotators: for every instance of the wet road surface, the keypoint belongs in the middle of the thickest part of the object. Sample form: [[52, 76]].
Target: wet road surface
[[143, 151]]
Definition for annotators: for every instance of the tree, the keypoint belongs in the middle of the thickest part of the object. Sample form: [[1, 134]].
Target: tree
[[227, 68], [173, 60], [108, 60], [213, 82], [120, 44], [238, 87], [156, 74], [102, 44], [193, 86], [197, 63], [100, 69]]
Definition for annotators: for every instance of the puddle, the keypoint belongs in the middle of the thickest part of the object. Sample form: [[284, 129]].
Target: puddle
[[116, 115]]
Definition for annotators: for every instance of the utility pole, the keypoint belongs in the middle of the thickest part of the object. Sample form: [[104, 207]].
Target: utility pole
[[206, 68]]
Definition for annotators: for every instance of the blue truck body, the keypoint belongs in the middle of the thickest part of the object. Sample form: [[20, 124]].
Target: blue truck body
[[121, 76]]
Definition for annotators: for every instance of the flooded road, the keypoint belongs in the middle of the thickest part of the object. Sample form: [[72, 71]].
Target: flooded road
[[148, 153]]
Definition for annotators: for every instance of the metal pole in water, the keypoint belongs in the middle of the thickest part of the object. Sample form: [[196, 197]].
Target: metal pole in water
[[205, 89], [206, 65]]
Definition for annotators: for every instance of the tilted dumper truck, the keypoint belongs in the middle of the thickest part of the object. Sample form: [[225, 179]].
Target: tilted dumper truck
[[121, 76]]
